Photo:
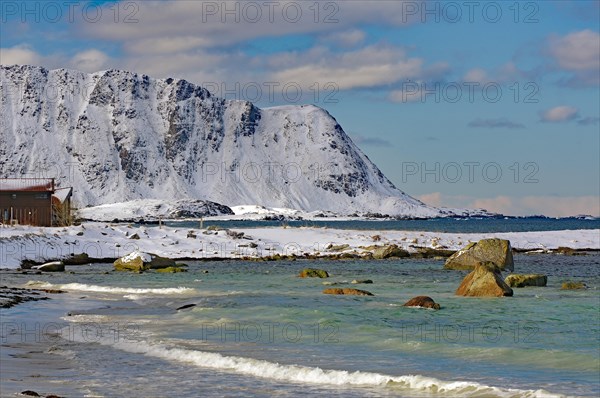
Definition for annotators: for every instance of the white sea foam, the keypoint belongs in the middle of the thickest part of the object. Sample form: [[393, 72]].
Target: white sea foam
[[112, 289], [315, 375]]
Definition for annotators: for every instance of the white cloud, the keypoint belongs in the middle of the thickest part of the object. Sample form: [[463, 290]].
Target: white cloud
[[559, 114], [476, 75], [89, 61], [165, 45], [551, 206], [348, 38], [233, 22], [206, 40], [19, 55], [367, 67], [496, 123], [578, 53]]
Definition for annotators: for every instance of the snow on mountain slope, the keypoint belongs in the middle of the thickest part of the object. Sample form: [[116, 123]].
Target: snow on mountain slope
[[117, 136]]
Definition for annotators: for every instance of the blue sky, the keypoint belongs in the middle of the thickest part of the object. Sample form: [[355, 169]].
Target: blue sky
[[467, 104]]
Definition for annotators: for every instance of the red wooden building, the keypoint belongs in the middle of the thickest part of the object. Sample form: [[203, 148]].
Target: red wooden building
[[34, 201]]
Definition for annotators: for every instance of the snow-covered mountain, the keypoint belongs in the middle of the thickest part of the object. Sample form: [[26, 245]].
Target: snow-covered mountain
[[117, 136]]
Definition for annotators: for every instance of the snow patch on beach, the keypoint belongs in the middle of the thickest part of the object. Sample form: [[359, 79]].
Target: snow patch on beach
[[113, 241]]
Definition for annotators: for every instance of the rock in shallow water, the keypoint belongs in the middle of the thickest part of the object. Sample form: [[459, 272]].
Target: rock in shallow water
[[484, 281], [573, 285], [497, 251], [140, 261], [522, 280], [358, 281], [422, 301], [313, 273]]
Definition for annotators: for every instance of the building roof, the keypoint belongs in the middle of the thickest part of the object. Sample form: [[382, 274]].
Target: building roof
[[27, 184], [63, 194]]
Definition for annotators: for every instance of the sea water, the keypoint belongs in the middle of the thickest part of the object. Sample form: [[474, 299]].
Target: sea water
[[460, 225], [258, 330]]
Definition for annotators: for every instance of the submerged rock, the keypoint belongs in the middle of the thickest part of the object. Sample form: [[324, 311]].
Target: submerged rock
[[389, 251], [313, 273], [347, 291], [573, 285], [11, 296], [357, 281], [183, 307], [54, 266], [496, 251], [484, 281], [522, 280], [30, 393], [171, 270], [422, 301]]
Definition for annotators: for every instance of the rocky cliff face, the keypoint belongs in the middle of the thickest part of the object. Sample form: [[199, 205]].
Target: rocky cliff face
[[117, 136]]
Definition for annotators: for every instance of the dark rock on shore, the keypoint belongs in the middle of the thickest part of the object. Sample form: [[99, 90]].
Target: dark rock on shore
[[428, 252], [77, 259], [337, 248], [422, 301], [389, 251], [11, 296], [567, 251]]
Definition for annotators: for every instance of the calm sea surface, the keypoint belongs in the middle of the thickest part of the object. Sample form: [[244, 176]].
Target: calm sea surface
[[258, 330], [468, 225]]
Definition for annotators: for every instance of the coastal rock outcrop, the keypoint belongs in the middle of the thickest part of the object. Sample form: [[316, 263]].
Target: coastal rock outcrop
[[484, 281], [139, 261], [313, 273], [422, 301], [77, 259], [348, 291], [522, 280], [497, 251], [53, 266], [389, 251]]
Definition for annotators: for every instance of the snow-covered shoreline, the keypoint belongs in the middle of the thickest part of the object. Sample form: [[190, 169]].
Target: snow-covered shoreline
[[110, 241]]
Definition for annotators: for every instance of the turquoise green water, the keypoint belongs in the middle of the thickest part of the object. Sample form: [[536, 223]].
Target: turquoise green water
[[258, 330]]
